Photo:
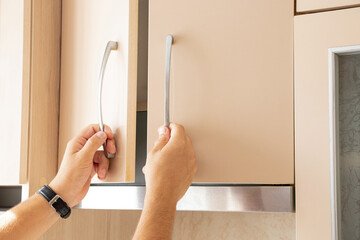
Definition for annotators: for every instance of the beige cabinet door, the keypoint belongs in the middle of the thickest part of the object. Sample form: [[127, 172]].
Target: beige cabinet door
[[317, 92], [323, 5], [11, 59], [231, 85], [87, 26]]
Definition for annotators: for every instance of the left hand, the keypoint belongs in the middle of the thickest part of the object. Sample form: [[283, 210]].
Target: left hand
[[81, 162], [170, 166]]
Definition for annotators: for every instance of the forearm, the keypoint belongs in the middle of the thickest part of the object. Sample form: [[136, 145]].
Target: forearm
[[28, 220], [156, 221]]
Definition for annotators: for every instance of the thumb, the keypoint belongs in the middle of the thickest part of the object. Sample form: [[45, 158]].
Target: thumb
[[93, 144], [164, 136]]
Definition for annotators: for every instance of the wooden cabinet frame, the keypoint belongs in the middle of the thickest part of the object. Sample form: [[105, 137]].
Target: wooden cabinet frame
[[40, 103]]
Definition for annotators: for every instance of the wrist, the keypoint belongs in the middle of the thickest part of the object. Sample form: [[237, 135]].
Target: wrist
[[46, 205], [160, 201], [55, 201], [160, 207], [62, 191]]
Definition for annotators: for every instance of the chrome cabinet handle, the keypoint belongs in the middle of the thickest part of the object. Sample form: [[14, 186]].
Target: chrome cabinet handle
[[110, 46], [169, 41]]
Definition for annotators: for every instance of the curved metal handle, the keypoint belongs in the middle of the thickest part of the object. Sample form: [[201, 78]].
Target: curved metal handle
[[169, 41], [110, 46]]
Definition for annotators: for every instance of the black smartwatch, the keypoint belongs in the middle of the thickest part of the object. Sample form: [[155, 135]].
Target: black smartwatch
[[55, 201]]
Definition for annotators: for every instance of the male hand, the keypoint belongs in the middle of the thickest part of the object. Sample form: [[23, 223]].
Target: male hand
[[81, 162], [170, 166]]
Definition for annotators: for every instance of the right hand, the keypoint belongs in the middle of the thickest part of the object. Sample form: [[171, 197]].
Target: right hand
[[170, 166], [81, 162]]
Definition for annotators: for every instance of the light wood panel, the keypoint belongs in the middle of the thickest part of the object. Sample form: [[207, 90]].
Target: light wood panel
[[87, 26], [120, 225], [95, 225], [324, 5], [44, 76], [314, 35], [231, 85], [11, 57], [32, 26]]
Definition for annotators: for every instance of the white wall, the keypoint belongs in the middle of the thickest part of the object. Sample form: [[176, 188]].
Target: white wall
[[11, 46]]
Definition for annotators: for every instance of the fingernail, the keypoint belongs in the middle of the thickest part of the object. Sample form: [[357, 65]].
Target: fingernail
[[101, 135], [162, 131], [111, 148], [103, 173]]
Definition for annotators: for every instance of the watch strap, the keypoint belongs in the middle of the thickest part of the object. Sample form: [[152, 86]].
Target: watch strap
[[55, 201]]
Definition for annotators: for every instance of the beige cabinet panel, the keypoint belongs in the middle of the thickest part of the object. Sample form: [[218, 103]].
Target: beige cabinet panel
[[87, 26], [321, 5], [314, 35], [11, 59], [231, 85]]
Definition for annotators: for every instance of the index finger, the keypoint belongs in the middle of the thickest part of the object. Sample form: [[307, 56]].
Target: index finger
[[91, 129], [177, 132]]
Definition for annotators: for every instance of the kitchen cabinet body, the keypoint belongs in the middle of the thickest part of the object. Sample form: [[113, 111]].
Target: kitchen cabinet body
[[29, 86], [87, 26], [230, 85], [323, 5], [326, 124], [81, 56], [11, 59]]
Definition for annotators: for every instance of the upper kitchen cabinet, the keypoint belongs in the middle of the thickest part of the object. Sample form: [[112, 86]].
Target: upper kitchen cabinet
[[29, 91], [87, 27], [323, 5], [327, 110], [231, 85], [11, 65]]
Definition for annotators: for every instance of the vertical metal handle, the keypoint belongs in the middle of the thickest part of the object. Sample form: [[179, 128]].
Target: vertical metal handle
[[169, 41], [110, 46]]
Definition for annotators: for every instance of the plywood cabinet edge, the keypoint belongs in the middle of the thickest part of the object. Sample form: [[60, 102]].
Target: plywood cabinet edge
[[25, 106], [132, 89], [40, 104]]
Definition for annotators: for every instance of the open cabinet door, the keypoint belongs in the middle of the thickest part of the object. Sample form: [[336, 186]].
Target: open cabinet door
[[87, 26]]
